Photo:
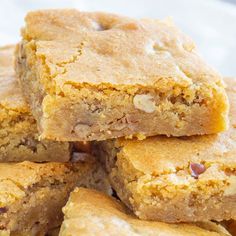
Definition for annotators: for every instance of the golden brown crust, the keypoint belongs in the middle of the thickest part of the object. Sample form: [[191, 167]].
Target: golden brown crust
[[128, 76], [10, 93], [92, 213], [108, 45]]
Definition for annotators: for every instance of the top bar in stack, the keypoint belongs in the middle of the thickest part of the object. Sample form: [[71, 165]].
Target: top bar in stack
[[18, 131], [94, 76]]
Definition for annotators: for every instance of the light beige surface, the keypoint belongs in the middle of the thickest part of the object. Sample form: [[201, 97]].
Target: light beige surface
[[89, 212], [33, 194], [128, 76], [153, 176], [18, 129]]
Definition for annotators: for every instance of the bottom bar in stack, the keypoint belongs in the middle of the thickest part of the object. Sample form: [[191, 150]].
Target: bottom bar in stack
[[32, 194], [92, 213], [176, 179]]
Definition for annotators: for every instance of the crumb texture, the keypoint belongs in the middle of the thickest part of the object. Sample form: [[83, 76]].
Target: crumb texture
[[176, 179], [32, 194]]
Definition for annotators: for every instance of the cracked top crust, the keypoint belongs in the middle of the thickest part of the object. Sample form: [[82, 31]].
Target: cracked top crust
[[89, 212], [10, 94], [160, 155], [77, 48]]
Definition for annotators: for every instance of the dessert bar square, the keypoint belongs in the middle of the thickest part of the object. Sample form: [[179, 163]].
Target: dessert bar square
[[176, 179], [32, 194], [89, 212], [96, 76], [19, 139]]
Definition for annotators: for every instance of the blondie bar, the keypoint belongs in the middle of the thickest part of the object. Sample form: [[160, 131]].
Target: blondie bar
[[96, 76], [89, 212], [32, 194], [176, 179], [18, 129]]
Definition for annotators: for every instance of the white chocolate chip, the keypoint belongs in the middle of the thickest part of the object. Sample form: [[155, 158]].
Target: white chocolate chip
[[96, 26], [149, 48], [144, 102]]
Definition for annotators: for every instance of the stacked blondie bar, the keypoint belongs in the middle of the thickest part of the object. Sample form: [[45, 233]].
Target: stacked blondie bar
[[36, 176], [100, 104]]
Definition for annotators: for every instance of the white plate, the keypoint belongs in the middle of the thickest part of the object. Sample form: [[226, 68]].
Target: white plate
[[211, 23]]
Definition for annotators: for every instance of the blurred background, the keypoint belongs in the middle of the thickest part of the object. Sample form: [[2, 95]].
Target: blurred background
[[211, 23]]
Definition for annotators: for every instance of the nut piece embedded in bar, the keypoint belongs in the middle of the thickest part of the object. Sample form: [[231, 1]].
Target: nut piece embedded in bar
[[144, 102]]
